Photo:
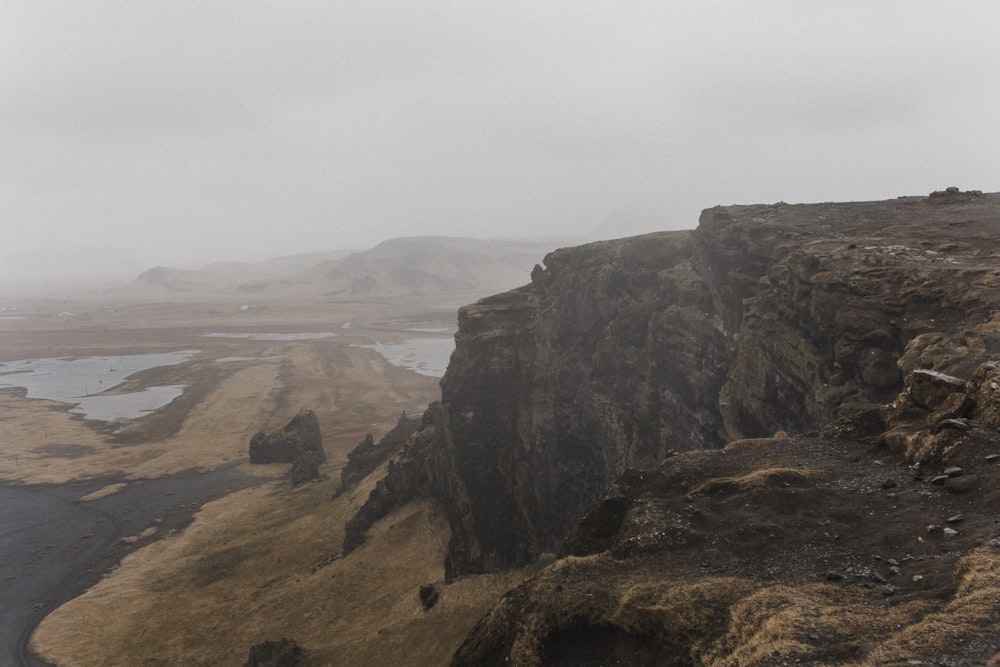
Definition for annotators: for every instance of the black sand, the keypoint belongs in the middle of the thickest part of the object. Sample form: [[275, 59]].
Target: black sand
[[53, 547]]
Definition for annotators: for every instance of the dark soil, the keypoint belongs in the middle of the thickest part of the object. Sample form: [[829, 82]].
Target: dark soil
[[53, 547]]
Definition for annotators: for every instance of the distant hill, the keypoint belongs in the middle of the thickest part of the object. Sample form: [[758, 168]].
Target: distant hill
[[228, 276], [429, 265], [417, 266]]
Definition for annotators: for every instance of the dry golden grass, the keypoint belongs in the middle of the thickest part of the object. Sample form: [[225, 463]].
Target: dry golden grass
[[756, 479], [247, 570], [784, 621], [686, 612], [973, 609], [351, 389], [741, 622]]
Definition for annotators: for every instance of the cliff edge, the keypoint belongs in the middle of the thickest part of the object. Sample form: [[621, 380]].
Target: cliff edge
[[765, 318]]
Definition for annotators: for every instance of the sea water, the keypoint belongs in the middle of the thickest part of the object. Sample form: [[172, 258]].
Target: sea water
[[426, 356], [80, 382]]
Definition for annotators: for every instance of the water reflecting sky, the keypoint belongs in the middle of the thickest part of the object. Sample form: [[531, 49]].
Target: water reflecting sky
[[80, 381]]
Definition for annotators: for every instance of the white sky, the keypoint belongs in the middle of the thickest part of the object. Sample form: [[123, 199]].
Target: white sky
[[144, 132]]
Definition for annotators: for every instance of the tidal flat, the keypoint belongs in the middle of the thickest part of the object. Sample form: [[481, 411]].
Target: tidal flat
[[426, 356], [58, 540], [79, 493], [84, 382]]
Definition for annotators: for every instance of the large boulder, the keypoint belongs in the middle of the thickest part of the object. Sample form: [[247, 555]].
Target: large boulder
[[282, 653], [298, 442]]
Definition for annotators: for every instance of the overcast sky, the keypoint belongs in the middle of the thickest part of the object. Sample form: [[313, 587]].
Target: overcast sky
[[178, 133]]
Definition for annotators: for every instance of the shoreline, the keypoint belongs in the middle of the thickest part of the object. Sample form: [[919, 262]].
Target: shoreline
[[141, 485], [46, 562]]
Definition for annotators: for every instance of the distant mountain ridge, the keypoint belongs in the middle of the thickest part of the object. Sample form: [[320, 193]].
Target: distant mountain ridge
[[405, 266]]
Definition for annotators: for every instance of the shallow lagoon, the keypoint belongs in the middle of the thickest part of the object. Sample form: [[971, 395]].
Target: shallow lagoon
[[426, 356], [80, 382], [273, 336], [127, 406]]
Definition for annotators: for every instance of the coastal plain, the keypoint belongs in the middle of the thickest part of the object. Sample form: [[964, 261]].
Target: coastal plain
[[209, 555]]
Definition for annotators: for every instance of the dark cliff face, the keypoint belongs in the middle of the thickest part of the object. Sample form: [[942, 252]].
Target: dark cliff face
[[821, 302], [606, 361], [764, 319]]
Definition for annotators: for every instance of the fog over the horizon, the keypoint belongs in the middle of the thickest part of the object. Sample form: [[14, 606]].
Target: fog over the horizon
[[178, 132]]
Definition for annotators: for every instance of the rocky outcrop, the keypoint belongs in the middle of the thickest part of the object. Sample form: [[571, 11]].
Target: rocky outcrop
[[792, 550], [820, 302], [419, 470], [282, 653], [369, 455], [789, 318], [520, 445], [429, 595], [893, 510], [298, 442]]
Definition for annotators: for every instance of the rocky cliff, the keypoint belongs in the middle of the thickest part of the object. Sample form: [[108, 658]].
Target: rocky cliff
[[765, 319], [298, 442], [872, 542], [608, 359]]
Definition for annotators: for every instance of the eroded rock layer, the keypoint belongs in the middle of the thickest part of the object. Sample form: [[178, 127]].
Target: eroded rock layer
[[763, 319]]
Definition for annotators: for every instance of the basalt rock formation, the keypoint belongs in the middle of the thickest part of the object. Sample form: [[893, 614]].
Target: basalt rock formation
[[282, 653], [773, 439], [369, 455], [610, 358], [765, 318], [298, 442]]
